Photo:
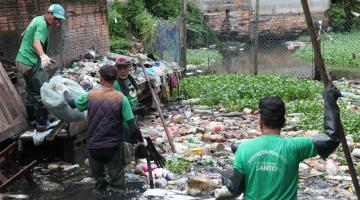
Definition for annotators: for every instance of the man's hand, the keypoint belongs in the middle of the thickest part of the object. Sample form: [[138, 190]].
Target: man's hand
[[46, 61], [144, 143], [61, 88], [142, 110], [331, 92]]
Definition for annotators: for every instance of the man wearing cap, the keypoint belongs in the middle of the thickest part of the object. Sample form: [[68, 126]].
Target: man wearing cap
[[107, 110], [31, 61], [267, 167]]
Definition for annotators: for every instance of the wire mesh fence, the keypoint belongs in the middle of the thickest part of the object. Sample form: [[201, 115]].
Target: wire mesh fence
[[166, 43], [283, 46]]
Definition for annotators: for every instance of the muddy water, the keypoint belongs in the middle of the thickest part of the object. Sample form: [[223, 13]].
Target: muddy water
[[273, 58]]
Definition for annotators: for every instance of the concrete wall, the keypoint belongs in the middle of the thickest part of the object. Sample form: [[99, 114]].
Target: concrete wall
[[235, 18], [86, 27]]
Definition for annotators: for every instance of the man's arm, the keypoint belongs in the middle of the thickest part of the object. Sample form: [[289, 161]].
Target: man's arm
[[326, 143], [235, 183], [69, 99], [38, 47], [128, 117]]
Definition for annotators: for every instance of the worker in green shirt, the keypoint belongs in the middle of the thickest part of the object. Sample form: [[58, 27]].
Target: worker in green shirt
[[267, 167], [107, 109], [31, 61], [127, 85]]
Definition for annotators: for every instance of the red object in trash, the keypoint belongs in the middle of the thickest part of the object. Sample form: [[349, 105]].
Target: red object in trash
[[145, 168], [217, 128]]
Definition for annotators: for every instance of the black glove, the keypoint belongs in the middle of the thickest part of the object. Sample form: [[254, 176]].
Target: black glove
[[141, 110], [326, 143], [331, 94], [234, 181], [154, 155]]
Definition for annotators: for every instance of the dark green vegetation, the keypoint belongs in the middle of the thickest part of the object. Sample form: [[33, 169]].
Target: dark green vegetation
[[138, 18], [237, 92]]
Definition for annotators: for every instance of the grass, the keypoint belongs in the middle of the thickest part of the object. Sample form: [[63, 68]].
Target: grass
[[340, 52]]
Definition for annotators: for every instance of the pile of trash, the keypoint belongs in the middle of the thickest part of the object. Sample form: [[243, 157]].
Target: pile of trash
[[85, 71]]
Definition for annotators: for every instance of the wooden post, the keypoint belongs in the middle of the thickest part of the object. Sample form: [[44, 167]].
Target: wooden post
[[156, 99], [183, 35], [256, 38], [326, 81]]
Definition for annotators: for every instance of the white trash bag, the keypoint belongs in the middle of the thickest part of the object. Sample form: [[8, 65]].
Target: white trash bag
[[55, 102]]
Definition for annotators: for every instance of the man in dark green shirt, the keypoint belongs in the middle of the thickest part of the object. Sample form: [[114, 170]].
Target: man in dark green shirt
[[107, 109], [31, 61], [267, 167]]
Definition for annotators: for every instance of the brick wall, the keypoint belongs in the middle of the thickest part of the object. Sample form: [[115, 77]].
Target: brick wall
[[233, 19], [86, 27]]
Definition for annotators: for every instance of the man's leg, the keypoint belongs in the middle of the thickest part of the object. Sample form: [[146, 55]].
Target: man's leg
[[98, 172], [116, 172], [34, 80], [24, 76]]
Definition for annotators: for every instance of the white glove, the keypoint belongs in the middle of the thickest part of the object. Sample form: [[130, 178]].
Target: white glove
[[145, 143], [61, 88], [46, 61]]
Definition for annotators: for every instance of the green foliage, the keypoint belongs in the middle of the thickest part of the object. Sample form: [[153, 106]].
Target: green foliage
[[117, 24], [179, 165], [165, 9], [338, 18], [237, 92], [340, 52], [140, 17], [119, 43], [145, 23], [202, 56]]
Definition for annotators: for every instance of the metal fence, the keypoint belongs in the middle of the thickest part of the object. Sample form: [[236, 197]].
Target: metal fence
[[165, 43], [283, 46]]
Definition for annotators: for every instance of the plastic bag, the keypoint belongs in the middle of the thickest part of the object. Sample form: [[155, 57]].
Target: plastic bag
[[55, 102]]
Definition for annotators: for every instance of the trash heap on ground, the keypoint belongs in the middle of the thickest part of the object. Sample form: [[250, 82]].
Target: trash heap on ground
[[84, 71], [204, 139]]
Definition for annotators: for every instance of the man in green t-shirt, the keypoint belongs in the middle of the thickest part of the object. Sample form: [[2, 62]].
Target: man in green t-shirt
[[31, 61], [267, 167], [107, 110]]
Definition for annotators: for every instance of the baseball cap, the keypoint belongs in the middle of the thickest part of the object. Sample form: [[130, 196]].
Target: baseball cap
[[122, 61], [58, 11]]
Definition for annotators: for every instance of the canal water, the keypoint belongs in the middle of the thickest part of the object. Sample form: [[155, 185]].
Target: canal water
[[273, 58]]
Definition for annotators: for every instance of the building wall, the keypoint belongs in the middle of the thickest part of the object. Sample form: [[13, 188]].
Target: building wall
[[86, 27], [235, 18]]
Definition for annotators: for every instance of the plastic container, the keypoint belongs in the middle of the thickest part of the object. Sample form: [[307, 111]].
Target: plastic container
[[331, 167]]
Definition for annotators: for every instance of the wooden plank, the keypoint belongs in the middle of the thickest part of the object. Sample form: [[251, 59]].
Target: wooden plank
[[17, 175], [20, 124], [13, 91], [6, 93], [6, 107]]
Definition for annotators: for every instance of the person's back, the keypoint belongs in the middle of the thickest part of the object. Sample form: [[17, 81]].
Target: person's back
[[267, 167], [104, 118], [271, 164]]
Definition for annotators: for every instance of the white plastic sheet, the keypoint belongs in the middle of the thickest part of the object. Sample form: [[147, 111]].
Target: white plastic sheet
[[55, 102]]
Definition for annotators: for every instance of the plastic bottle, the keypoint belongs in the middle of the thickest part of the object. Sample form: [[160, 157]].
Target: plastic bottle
[[331, 167]]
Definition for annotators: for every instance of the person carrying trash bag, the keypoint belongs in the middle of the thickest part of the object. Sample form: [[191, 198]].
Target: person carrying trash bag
[[32, 61], [267, 167], [107, 110]]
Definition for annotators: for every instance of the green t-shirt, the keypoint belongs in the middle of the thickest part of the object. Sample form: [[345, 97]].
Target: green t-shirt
[[37, 30], [82, 104], [132, 98], [271, 164]]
